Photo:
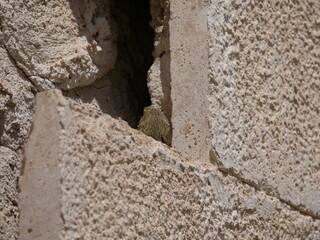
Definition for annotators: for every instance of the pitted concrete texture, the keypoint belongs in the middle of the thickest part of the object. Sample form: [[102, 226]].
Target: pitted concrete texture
[[109, 181], [264, 96], [60, 43], [189, 78]]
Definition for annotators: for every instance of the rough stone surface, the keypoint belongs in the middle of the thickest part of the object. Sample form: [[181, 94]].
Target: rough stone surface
[[8, 193], [59, 43], [155, 83], [116, 183], [159, 77], [122, 92], [189, 78], [264, 96], [16, 102]]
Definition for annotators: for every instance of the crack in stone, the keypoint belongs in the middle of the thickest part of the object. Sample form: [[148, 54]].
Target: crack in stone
[[17, 66], [252, 184], [13, 59]]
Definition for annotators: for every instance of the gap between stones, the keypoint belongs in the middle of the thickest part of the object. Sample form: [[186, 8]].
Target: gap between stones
[[293, 207]]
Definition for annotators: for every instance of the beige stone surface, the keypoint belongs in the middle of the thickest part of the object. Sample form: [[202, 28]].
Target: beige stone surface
[[113, 182], [189, 78], [8, 193], [40, 175], [54, 44], [59, 43], [264, 96], [16, 104], [159, 74], [90, 176]]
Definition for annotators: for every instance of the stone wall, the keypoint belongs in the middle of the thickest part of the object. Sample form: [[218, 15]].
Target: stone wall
[[238, 80]]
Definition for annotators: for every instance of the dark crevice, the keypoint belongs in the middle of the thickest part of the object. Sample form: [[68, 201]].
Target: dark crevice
[[122, 92], [135, 47]]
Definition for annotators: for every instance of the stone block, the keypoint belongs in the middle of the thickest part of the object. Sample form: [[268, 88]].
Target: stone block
[[59, 44], [264, 96], [89, 176]]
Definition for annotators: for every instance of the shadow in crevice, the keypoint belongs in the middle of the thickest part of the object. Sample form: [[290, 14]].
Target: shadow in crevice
[[135, 46], [123, 91]]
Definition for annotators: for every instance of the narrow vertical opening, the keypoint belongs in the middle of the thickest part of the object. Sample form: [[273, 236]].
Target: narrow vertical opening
[[135, 47]]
